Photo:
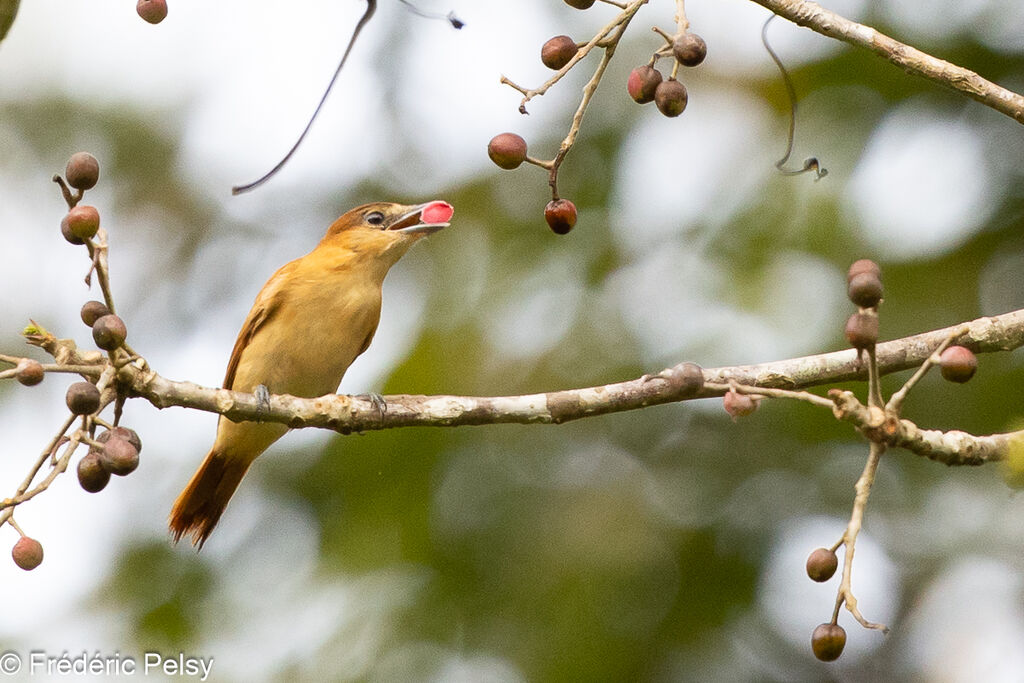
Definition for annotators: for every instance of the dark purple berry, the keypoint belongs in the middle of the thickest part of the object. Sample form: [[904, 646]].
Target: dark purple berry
[[109, 332], [91, 474], [822, 564], [670, 97], [29, 372], [958, 364], [689, 49], [558, 51], [83, 171], [83, 398], [93, 311]]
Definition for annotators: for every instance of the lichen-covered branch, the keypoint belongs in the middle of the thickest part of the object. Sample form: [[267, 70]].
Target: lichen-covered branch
[[951, 448], [353, 413], [815, 17], [345, 414]]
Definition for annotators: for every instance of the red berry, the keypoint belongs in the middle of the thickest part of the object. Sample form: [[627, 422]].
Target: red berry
[[739, 405], [507, 150], [82, 222], [958, 364], [65, 229], [27, 553], [153, 11], [83, 171], [558, 51], [863, 266], [560, 215], [643, 82]]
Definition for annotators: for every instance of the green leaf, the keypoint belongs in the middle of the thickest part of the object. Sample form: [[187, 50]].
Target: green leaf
[[8, 10]]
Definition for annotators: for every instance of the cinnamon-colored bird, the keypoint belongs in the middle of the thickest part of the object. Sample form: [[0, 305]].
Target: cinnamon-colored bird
[[309, 322]]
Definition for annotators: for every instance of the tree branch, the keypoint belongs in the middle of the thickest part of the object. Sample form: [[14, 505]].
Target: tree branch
[[354, 413], [950, 448], [815, 17]]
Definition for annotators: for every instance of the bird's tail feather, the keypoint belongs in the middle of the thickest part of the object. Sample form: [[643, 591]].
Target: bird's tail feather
[[201, 504]]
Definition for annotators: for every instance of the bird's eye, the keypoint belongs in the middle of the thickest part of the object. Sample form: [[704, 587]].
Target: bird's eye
[[375, 218]]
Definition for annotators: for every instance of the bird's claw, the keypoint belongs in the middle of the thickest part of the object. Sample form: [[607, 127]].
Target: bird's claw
[[262, 394], [378, 402]]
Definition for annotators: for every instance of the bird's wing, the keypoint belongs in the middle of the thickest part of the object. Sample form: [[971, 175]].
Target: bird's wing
[[267, 303]]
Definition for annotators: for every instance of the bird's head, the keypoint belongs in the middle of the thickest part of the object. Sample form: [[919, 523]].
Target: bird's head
[[385, 228]]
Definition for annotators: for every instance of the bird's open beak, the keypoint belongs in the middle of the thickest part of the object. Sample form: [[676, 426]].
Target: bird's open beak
[[424, 219]]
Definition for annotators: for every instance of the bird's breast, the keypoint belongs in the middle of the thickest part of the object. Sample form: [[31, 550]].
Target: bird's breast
[[316, 332]]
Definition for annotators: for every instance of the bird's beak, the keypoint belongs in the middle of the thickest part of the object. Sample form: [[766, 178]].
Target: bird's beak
[[424, 219]]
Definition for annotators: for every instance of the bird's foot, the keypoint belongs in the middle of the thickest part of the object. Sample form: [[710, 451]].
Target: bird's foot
[[262, 398], [378, 402]]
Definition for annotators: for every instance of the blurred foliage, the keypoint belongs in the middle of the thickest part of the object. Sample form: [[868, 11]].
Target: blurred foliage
[[159, 590], [8, 10], [609, 549]]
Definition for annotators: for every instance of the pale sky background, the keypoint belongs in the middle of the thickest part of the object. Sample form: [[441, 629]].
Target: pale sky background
[[241, 81]]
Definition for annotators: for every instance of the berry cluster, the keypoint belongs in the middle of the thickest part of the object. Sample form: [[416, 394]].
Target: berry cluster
[[646, 83], [116, 449], [827, 640], [864, 288], [508, 151], [957, 364]]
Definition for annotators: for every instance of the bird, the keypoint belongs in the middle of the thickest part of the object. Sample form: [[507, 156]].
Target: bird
[[312, 318]]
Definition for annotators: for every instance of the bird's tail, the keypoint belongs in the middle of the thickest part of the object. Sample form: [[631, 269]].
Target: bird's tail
[[203, 501]]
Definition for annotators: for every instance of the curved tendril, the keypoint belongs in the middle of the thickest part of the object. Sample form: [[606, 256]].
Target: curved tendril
[[811, 163], [450, 17], [371, 7]]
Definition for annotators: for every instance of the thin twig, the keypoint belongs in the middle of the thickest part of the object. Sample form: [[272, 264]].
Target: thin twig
[[371, 7], [681, 22], [770, 392], [875, 399], [862, 491], [811, 163], [895, 404], [529, 93], [7, 505], [577, 119], [98, 253]]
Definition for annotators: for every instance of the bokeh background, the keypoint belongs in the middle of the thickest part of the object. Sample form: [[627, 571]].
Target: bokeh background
[[660, 545]]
